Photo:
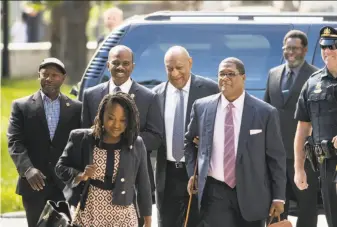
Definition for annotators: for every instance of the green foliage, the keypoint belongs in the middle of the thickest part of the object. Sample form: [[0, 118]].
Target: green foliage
[[10, 90]]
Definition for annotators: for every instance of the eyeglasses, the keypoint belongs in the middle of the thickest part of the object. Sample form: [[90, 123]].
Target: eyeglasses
[[330, 47], [229, 74], [291, 48]]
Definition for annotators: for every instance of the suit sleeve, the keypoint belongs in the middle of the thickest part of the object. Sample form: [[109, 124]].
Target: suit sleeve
[[85, 116], [302, 112], [190, 149], [276, 156], [64, 168], [143, 184], [16, 137], [153, 133], [266, 97]]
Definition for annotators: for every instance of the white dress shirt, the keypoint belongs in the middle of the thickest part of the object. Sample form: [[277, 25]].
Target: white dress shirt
[[216, 169], [172, 95], [124, 87]]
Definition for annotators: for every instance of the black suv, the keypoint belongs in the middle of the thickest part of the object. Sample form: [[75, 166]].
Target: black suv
[[256, 39]]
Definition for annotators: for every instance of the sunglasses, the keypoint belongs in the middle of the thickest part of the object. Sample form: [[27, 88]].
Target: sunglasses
[[330, 47]]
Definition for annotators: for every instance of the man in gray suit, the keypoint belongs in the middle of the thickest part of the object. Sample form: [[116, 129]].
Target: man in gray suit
[[283, 88], [171, 175], [241, 159], [120, 64]]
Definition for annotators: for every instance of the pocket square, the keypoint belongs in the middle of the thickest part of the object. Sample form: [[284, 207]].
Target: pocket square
[[255, 131]]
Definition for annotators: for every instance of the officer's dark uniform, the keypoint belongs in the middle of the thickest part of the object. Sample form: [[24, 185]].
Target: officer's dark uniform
[[317, 104]]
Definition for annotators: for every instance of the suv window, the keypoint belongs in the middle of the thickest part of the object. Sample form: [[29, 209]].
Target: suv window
[[258, 46]]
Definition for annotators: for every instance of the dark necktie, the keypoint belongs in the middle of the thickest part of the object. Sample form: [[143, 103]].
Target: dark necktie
[[289, 80], [116, 89], [178, 129], [229, 148]]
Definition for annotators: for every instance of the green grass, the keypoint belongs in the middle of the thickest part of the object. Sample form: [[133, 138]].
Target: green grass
[[10, 90]]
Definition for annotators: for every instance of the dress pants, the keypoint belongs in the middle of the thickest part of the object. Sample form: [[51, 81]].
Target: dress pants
[[306, 199], [176, 198], [219, 207], [328, 188], [34, 205]]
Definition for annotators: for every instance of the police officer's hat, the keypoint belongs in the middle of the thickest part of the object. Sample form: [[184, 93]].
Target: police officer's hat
[[328, 36]]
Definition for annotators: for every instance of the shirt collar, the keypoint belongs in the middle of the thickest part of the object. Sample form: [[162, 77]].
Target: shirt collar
[[186, 88], [125, 87], [45, 97], [238, 103], [295, 70]]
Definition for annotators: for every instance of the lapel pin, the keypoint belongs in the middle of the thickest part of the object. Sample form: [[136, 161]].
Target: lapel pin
[[68, 104], [132, 96]]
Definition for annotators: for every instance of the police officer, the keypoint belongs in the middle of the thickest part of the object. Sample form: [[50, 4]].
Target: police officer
[[316, 113]]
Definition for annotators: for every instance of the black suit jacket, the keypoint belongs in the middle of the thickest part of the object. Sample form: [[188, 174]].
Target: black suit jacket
[[286, 108], [200, 87], [151, 125], [132, 170], [29, 143]]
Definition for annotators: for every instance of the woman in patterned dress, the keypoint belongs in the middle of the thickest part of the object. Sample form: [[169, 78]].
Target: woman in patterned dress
[[118, 169]]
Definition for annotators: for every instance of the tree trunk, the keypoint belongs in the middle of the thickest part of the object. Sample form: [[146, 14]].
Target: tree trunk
[[75, 49], [289, 6], [55, 33]]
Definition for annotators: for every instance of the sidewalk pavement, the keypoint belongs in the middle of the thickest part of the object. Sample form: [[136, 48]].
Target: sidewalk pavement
[[17, 219]]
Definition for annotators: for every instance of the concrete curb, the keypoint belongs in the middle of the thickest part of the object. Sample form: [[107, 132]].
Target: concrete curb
[[18, 214]]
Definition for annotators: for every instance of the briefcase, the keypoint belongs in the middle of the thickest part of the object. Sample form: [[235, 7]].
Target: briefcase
[[55, 215], [283, 223]]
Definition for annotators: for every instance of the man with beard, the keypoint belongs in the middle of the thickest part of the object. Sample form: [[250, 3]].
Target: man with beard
[[316, 113], [120, 64], [38, 132], [282, 91]]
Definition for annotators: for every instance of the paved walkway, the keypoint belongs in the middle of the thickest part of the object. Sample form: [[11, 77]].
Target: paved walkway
[[18, 220]]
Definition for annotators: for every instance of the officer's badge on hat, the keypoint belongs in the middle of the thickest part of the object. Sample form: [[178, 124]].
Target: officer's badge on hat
[[328, 36]]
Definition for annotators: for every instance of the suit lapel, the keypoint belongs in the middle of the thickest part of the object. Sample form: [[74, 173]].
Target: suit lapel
[[192, 96], [162, 99], [246, 120], [65, 114], [38, 103], [278, 80], [210, 120], [105, 91], [134, 90]]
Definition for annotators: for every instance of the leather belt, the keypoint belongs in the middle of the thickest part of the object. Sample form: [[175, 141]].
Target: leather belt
[[177, 165]]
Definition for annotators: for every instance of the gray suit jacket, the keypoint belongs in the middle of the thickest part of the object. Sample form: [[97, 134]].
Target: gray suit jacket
[[260, 161], [200, 87], [286, 108], [132, 171]]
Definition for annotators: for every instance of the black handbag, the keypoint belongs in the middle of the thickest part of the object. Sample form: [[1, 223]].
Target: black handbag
[[58, 214], [55, 215]]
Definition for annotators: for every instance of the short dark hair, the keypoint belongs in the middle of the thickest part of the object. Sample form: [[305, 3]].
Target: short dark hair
[[297, 34], [237, 62], [132, 117]]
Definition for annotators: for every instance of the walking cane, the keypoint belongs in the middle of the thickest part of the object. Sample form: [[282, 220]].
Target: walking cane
[[190, 199]]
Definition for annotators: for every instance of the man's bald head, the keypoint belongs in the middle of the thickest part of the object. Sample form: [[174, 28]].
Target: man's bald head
[[120, 48], [178, 64], [177, 51]]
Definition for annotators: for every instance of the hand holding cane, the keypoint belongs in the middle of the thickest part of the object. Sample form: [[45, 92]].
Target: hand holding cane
[[191, 191]]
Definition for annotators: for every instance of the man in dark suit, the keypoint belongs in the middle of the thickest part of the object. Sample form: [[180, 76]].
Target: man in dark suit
[[171, 175], [241, 159], [120, 64], [282, 91], [38, 131]]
